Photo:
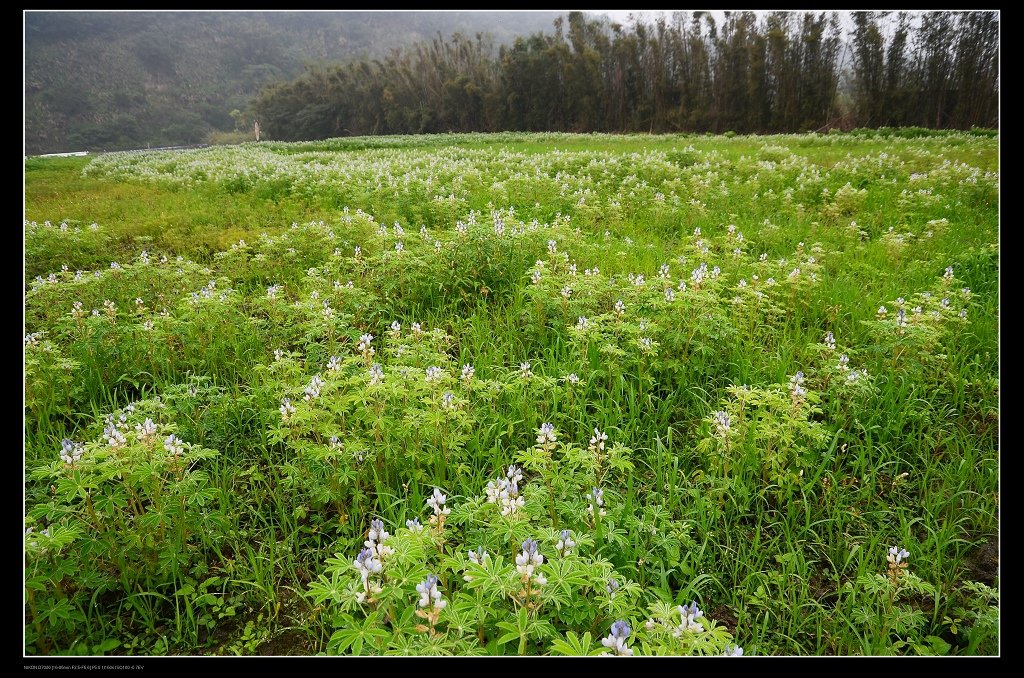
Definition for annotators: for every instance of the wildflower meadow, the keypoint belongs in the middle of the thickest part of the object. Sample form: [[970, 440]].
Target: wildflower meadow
[[515, 394]]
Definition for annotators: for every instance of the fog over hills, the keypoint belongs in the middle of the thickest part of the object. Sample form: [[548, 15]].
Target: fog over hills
[[110, 80]]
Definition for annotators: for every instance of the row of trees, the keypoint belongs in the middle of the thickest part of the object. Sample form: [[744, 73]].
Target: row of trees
[[780, 73]]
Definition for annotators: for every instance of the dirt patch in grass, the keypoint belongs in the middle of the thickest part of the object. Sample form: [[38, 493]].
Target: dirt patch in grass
[[983, 563], [290, 642]]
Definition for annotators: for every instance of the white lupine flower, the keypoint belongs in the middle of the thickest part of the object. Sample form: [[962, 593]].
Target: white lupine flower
[[416, 328], [529, 560], [364, 344], [287, 409], [597, 499], [948, 275], [478, 555], [616, 639], [312, 391], [689, 614], [830, 341], [698, 274], [146, 428], [272, 291], [619, 308], [795, 385], [278, 354], [565, 543], [467, 373], [572, 269], [399, 246], [763, 257], [436, 502], [173, 445], [581, 323], [358, 251], [367, 564], [721, 420], [505, 492], [376, 374], [844, 362], [524, 370], [646, 344], [897, 555], [882, 310], [566, 292], [572, 378], [376, 533], [670, 295], [433, 374], [114, 436], [71, 451], [430, 594], [414, 525], [546, 434], [610, 587], [733, 651], [597, 440], [334, 364]]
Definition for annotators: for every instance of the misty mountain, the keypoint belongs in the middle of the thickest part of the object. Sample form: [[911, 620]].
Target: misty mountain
[[115, 80]]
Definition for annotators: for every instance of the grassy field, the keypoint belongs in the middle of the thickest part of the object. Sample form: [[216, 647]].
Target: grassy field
[[515, 394]]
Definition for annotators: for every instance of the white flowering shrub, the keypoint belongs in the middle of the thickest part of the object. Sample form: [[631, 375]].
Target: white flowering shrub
[[541, 394], [489, 580], [132, 509]]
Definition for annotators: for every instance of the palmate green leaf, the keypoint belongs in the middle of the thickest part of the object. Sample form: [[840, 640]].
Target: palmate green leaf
[[565, 577], [574, 645], [357, 634], [329, 589]]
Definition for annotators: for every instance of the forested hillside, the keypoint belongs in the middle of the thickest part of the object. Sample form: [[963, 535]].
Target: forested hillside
[[113, 80], [780, 72]]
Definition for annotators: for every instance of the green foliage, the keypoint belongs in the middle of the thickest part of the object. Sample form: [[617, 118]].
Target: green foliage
[[668, 347]]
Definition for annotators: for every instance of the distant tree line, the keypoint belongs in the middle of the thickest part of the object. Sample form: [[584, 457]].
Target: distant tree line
[[786, 72]]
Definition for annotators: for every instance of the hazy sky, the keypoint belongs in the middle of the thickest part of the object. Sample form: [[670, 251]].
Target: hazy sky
[[621, 15]]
